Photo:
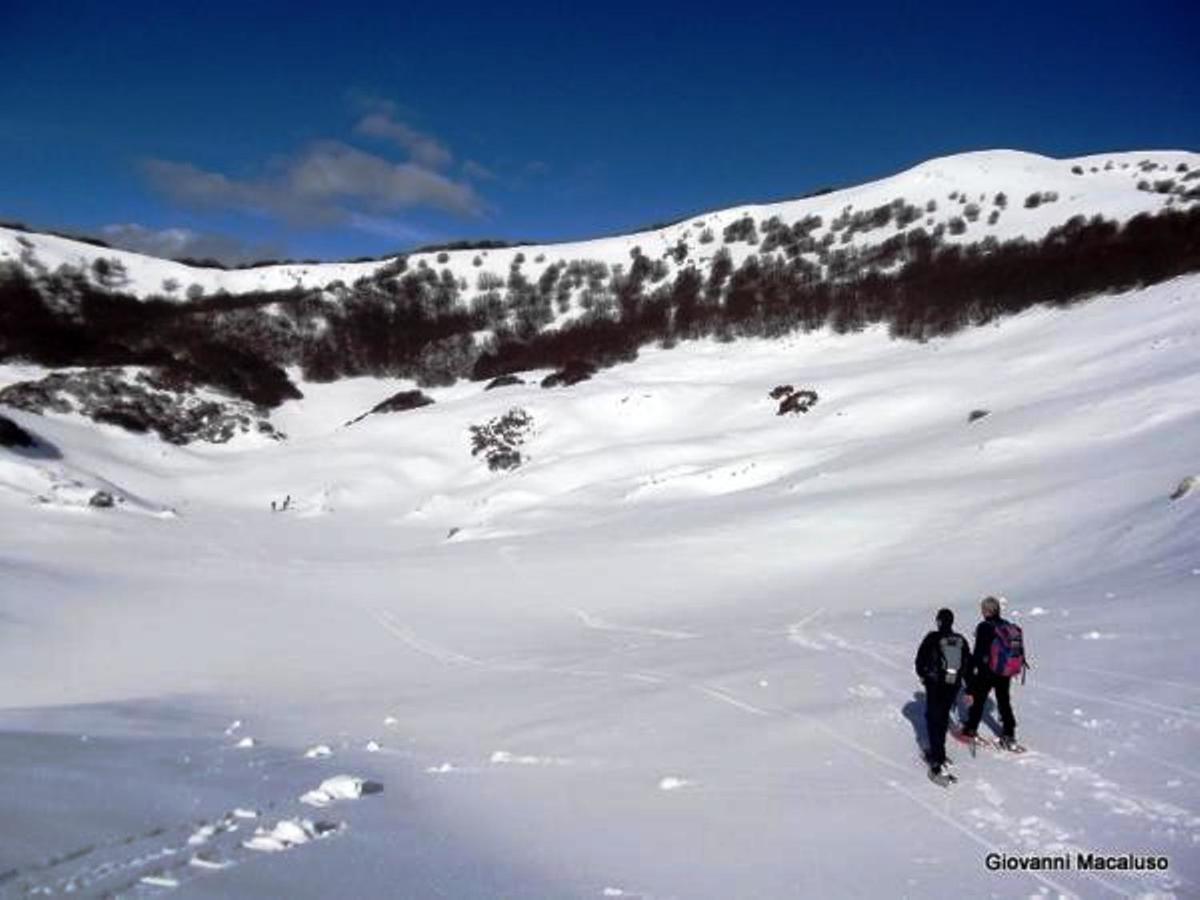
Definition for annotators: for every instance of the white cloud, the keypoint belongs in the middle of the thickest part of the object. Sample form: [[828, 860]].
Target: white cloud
[[326, 185]]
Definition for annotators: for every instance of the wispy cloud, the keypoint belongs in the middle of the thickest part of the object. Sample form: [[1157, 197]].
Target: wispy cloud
[[392, 229], [327, 184], [424, 149], [477, 171], [177, 243]]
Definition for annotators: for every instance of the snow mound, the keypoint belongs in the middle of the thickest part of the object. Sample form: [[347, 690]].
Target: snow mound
[[340, 787], [289, 833]]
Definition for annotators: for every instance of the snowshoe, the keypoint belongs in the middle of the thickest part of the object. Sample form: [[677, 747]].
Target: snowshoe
[[941, 776]]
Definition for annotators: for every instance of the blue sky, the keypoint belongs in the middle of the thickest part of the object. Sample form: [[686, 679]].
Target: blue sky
[[256, 129]]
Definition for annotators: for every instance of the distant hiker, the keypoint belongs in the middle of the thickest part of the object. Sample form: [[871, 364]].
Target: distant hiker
[[943, 661], [999, 655]]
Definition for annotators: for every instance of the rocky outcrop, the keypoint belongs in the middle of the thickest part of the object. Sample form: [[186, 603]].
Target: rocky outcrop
[[13, 435], [401, 402], [142, 401], [504, 381]]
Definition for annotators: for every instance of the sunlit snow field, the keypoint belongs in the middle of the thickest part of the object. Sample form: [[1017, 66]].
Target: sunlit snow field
[[668, 657]]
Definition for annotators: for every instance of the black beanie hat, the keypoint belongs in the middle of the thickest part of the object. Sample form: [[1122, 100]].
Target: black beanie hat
[[945, 617]]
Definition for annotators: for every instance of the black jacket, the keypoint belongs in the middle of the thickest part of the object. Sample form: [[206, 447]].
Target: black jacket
[[929, 663]]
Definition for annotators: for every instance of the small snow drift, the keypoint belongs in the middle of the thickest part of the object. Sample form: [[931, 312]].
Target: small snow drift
[[340, 787], [289, 833], [400, 402]]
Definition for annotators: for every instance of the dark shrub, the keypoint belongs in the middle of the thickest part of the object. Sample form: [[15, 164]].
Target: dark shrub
[[573, 372], [500, 439], [403, 401], [129, 419], [504, 381], [796, 402], [741, 230]]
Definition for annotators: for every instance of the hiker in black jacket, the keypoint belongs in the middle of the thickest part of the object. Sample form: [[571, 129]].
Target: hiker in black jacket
[[985, 680], [943, 661]]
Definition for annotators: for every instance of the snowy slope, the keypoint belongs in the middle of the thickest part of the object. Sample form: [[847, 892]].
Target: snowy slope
[[668, 656], [972, 178]]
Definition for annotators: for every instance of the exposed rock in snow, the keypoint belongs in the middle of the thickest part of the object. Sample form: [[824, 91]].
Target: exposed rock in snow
[[141, 401], [13, 435], [503, 381], [400, 402], [102, 500], [1185, 487]]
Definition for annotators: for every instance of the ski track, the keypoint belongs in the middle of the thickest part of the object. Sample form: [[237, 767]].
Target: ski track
[[1033, 830], [599, 624], [1038, 833], [797, 635], [1125, 676], [1141, 754], [168, 856], [1147, 707]]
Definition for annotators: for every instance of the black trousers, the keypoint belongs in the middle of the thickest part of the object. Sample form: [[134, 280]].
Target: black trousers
[[983, 684], [939, 700]]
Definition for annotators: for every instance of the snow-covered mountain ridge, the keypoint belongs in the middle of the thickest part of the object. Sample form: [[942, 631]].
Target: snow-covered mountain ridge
[[947, 245], [1115, 185]]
